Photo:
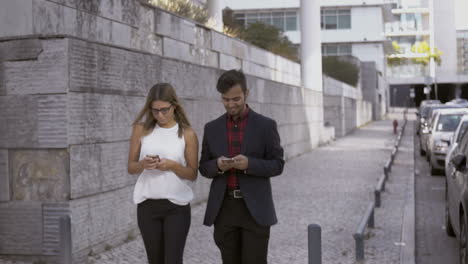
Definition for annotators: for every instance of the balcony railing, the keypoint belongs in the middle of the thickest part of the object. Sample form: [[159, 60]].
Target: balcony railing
[[407, 28], [407, 71]]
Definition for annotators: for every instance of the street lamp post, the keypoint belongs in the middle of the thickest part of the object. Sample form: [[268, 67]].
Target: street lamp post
[[432, 70]]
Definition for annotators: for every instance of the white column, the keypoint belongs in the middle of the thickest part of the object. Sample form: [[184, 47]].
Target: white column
[[432, 66], [311, 45], [215, 10]]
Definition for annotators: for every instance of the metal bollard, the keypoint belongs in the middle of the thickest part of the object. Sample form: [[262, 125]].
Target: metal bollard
[[371, 222], [65, 240], [315, 244], [359, 239], [378, 190], [367, 220], [377, 198]]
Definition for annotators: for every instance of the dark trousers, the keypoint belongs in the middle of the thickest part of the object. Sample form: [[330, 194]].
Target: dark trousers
[[164, 227], [240, 239]]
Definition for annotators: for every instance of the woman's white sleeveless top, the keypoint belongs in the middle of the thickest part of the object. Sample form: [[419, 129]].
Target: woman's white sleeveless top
[[157, 184]]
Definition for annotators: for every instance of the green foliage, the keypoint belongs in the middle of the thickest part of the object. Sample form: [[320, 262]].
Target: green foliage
[[340, 70], [261, 35], [270, 38], [184, 8], [394, 59], [421, 48], [229, 21]]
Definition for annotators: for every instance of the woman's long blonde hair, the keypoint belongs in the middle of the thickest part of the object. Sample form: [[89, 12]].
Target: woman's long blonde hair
[[166, 93]]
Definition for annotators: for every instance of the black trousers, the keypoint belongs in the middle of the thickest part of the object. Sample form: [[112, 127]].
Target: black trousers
[[164, 227], [240, 239]]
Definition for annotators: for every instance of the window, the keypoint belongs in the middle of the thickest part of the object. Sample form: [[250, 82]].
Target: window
[[265, 18], [462, 131], [448, 123], [278, 19], [291, 21], [336, 49], [464, 143], [284, 21], [335, 19]]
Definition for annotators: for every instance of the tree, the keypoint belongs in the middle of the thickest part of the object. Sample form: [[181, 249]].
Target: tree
[[396, 57], [340, 70], [425, 50], [422, 50], [261, 35]]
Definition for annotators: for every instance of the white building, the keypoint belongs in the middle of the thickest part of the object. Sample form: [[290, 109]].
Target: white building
[[349, 27], [434, 22]]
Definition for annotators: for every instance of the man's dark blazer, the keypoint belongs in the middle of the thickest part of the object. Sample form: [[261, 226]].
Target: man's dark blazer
[[261, 145]]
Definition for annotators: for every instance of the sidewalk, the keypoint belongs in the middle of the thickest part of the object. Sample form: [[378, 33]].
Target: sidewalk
[[330, 186]]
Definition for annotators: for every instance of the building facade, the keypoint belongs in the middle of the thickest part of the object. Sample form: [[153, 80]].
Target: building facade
[[462, 51], [346, 31], [432, 23], [345, 25]]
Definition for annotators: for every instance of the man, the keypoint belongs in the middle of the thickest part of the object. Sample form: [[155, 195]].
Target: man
[[240, 151]]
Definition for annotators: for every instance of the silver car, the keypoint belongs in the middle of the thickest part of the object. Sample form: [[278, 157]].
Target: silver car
[[443, 124], [454, 147], [427, 116]]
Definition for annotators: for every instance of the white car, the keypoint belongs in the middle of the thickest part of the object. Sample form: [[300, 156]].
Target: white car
[[443, 125], [454, 147]]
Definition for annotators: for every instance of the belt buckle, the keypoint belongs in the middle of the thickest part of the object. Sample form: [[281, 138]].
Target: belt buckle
[[236, 194]]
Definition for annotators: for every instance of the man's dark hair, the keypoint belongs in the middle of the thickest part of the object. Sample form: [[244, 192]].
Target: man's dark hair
[[230, 78]]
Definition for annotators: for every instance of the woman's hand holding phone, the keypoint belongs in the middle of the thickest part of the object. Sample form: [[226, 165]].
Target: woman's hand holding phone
[[150, 162]]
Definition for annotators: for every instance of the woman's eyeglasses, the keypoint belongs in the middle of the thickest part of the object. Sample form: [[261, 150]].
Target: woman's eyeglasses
[[163, 111]]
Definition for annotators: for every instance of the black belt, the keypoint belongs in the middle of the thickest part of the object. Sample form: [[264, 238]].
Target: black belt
[[236, 193]]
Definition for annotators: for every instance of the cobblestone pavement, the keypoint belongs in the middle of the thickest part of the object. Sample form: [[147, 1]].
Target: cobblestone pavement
[[330, 186]]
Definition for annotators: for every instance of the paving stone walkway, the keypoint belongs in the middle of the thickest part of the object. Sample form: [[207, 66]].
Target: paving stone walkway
[[330, 186]]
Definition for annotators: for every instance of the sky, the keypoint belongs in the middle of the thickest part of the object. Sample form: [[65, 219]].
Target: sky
[[461, 14]]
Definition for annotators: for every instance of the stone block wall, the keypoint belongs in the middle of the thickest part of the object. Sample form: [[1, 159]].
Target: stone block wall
[[74, 74], [133, 24], [374, 89], [68, 108], [344, 107]]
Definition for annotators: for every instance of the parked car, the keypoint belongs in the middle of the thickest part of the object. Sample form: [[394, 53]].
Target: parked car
[[456, 200], [444, 124], [427, 124], [422, 115], [460, 101], [426, 102], [454, 147]]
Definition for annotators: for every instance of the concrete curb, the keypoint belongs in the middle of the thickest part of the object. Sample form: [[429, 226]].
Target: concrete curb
[[408, 232]]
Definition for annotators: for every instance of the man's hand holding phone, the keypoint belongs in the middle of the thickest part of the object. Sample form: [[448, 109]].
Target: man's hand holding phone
[[225, 164]]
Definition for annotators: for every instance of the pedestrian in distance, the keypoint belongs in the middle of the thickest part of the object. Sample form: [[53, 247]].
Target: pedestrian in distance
[[241, 151], [164, 152]]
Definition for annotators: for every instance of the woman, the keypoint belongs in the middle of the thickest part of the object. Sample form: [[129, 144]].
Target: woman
[[164, 151]]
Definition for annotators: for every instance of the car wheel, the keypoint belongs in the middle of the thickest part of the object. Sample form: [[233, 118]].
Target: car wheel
[[448, 222], [462, 250]]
